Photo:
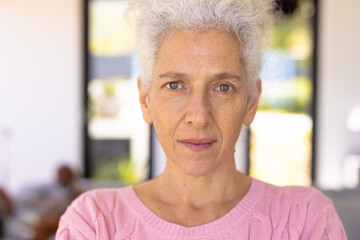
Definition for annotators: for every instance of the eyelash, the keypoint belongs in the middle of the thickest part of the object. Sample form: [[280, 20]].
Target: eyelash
[[167, 85], [231, 88], [217, 88]]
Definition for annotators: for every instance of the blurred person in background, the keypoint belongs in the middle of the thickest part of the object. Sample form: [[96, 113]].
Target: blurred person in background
[[200, 63], [37, 210], [6, 210], [53, 205]]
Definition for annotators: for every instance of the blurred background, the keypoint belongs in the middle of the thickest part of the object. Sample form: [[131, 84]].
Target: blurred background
[[70, 118]]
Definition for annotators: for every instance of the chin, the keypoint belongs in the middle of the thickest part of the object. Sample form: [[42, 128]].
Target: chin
[[197, 169]]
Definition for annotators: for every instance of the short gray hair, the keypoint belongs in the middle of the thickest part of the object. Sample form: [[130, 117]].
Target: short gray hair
[[248, 20]]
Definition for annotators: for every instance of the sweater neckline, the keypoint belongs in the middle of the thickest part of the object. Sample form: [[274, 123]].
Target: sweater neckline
[[221, 225]]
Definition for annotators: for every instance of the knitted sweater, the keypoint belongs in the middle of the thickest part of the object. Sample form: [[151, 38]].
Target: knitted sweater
[[266, 212]]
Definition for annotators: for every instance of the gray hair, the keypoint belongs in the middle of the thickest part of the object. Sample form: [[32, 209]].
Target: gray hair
[[248, 20]]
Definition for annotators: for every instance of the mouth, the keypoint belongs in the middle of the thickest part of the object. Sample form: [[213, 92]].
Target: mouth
[[197, 144]]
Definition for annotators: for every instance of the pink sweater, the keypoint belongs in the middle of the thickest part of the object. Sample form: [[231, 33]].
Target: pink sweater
[[266, 212]]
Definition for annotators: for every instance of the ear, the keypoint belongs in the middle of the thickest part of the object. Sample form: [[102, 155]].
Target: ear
[[252, 105], [144, 101]]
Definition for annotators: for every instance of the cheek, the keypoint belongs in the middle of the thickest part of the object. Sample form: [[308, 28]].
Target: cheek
[[166, 115], [167, 110], [229, 117]]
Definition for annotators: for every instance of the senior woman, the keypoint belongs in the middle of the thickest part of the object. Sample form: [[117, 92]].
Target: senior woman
[[199, 62]]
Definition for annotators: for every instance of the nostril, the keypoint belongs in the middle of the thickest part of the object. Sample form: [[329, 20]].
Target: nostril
[[198, 120]]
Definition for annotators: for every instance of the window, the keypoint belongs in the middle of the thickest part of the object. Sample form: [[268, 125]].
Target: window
[[282, 132], [117, 138], [117, 141]]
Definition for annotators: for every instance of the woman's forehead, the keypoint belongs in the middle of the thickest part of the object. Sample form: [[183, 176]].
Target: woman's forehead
[[200, 41], [188, 51]]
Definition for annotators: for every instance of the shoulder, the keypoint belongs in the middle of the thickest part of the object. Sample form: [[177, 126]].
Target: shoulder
[[295, 195], [93, 202], [100, 199], [105, 198], [299, 210], [93, 210]]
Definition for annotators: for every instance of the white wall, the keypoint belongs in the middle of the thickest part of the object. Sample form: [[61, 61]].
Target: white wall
[[40, 89], [339, 87]]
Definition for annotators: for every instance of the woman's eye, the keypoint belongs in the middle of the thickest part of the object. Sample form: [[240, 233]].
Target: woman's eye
[[224, 88], [173, 85]]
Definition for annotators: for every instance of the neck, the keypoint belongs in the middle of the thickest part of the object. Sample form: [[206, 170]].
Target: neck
[[223, 185]]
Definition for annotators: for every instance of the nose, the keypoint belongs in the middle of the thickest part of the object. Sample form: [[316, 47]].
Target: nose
[[198, 113]]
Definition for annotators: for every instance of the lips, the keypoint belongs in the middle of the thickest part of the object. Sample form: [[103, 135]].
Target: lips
[[198, 144]]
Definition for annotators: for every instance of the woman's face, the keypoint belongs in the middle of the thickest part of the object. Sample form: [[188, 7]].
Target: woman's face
[[198, 99]]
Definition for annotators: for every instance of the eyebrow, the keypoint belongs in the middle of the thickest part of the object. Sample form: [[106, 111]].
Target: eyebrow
[[225, 75], [173, 75], [218, 76]]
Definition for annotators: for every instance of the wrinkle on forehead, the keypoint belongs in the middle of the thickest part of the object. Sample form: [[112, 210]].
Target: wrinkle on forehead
[[197, 48], [202, 53]]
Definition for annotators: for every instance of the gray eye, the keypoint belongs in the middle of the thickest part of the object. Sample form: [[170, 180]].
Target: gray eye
[[224, 88], [173, 85]]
